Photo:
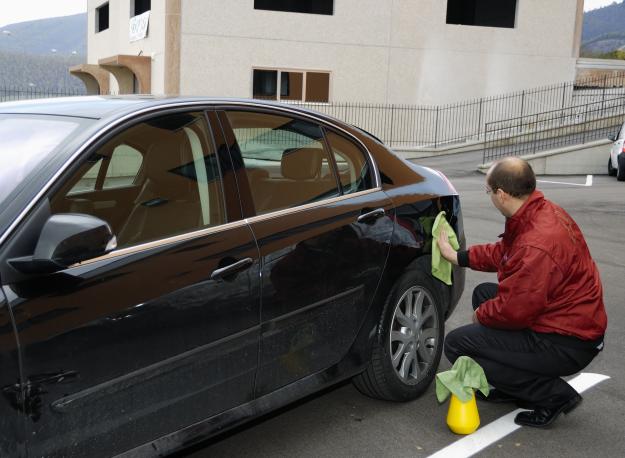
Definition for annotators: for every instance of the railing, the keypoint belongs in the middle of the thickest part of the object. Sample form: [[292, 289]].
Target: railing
[[553, 129], [436, 126], [9, 94]]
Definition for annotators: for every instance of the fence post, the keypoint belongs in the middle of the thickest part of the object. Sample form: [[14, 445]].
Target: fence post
[[479, 121], [522, 106], [436, 127], [390, 140], [605, 82]]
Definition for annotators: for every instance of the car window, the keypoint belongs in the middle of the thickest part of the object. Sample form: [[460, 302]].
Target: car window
[[353, 168], [166, 183], [285, 160], [123, 167], [621, 134], [118, 171]]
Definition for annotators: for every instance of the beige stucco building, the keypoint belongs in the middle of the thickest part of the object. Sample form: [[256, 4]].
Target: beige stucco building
[[380, 51]]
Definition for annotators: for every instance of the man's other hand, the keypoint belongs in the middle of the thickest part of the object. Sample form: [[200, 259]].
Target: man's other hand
[[447, 250]]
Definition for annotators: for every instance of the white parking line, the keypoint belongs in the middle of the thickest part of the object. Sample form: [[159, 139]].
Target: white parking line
[[500, 428], [588, 182]]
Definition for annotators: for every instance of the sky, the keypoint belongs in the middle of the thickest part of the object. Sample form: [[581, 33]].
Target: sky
[[12, 11]]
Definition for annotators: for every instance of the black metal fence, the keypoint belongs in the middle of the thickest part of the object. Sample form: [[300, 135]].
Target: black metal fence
[[9, 94], [553, 129], [436, 126]]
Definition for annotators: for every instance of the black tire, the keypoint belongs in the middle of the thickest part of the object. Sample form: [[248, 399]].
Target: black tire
[[611, 170], [620, 171], [381, 379]]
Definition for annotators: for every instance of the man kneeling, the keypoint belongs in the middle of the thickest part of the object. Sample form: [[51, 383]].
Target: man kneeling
[[545, 318]]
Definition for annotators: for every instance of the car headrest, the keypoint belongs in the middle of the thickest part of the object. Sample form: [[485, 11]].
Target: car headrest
[[301, 163]]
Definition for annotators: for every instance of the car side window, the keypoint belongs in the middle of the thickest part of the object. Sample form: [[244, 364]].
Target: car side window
[[621, 134], [123, 167], [353, 168], [285, 160], [165, 184]]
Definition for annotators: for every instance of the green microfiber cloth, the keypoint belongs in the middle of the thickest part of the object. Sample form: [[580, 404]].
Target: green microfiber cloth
[[465, 376], [441, 267]]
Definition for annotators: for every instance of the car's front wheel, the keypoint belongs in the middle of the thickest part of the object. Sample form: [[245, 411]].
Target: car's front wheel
[[409, 342], [611, 170], [620, 171]]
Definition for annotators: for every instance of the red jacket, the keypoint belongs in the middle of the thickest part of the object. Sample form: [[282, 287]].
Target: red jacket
[[548, 281]]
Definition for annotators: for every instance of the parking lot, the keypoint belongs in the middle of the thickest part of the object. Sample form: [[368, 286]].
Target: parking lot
[[342, 422]]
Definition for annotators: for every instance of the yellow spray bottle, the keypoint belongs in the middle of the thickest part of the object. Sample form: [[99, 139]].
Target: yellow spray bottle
[[463, 417]]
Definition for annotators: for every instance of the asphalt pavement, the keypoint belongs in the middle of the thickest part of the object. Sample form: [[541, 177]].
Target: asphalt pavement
[[341, 422]]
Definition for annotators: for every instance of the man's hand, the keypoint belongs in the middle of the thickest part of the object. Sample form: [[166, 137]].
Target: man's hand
[[447, 250]]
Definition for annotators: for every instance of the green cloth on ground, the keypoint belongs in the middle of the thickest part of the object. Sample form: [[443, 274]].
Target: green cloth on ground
[[441, 267], [465, 376]]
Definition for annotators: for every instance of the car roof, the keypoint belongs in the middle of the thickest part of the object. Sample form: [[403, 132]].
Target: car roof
[[109, 107]]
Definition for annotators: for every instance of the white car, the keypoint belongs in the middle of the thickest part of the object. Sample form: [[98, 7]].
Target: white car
[[616, 162]]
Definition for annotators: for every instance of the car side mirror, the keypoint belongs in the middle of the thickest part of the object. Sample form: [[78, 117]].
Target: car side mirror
[[67, 239], [612, 138]]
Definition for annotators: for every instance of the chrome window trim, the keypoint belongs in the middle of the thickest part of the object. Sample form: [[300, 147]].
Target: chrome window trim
[[133, 249], [172, 106], [299, 208]]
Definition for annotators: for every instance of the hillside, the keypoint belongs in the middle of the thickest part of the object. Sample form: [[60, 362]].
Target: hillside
[[37, 55], [604, 30], [45, 73], [64, 34]]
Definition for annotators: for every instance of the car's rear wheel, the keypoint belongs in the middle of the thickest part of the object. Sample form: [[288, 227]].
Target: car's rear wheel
[[410, 341], [620, 171], [611, 170]]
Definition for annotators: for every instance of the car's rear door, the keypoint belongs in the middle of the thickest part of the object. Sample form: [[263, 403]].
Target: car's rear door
[[162, 332], [323, 241]]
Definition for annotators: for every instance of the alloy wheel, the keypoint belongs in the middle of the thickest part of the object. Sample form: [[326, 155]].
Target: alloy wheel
[[414, 335]]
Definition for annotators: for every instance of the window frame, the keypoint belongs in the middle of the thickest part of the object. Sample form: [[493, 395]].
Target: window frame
[[247, 203], [98, 29], [278, 88], [231, 219]]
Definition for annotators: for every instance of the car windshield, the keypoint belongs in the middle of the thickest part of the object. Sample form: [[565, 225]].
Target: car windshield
[[26, 142]]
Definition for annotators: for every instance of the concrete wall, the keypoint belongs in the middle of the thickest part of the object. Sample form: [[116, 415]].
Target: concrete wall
[[587, 159], [115, 40], [384, 51]]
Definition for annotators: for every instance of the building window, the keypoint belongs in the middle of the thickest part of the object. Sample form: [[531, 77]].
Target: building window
[[138, 7], [102, 18], [297, 6], [485, 13], [293, 85]]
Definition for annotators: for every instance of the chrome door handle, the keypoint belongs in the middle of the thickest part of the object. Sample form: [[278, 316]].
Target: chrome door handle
[[238, 266], [371, 216]]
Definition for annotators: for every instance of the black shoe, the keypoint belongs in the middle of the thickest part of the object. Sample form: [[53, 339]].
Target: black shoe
[[542, 417], [495, 396]]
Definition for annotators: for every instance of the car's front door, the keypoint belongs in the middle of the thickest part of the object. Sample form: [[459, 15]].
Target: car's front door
[[323, 240], [159, 334]]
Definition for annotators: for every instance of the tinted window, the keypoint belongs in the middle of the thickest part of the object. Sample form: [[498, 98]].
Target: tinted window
[[296, 6], [354, 171], [155, 180], [486, 13], [285, 161]]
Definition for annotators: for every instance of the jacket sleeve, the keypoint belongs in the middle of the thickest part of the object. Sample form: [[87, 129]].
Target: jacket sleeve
[[485, 258], [523, 293]]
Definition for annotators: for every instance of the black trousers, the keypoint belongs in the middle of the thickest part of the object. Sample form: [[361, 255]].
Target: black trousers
[[524, 364]]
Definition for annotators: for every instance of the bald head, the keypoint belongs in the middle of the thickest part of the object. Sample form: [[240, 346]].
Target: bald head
[[512, 175]]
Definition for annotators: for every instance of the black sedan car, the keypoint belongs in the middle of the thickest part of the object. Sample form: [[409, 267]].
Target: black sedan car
[[173, 267]]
